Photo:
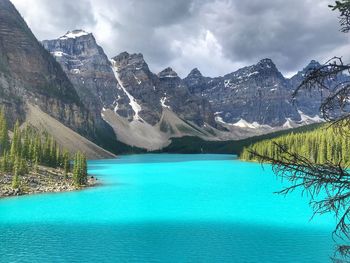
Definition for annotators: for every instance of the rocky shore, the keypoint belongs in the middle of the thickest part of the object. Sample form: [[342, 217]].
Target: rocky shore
[[46, 180]]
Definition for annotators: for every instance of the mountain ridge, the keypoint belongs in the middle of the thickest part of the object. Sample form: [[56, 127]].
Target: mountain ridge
[[30, 75], [255, 98]]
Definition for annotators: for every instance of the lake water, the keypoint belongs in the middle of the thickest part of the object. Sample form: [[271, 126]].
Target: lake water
[[167, 208]]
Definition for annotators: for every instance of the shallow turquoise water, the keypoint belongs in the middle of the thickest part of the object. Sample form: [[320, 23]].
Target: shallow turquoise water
[[167, 208]]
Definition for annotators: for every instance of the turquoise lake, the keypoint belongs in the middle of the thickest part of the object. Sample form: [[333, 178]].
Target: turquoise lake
[[167, 208]]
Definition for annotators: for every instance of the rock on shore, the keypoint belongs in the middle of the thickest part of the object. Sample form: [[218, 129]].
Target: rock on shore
[[44, 181]]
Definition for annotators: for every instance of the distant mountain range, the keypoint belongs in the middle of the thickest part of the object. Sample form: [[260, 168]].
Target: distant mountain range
[[111, 100], [147, 109]]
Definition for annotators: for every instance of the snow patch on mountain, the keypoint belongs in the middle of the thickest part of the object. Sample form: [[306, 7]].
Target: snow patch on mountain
[[220, 120], [162, 102], [133, 103], [168, 76], [58, 54], [289, 124], [244, 124], [307, 119], [74, 34], [251, 74], [75, 71]]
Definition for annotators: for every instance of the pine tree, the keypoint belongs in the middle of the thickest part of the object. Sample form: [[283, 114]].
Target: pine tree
[[15, 181], [80, 170], [26, 144], [16, 142], [66, 164], [29, 148], [320, 146], [4, 137], [58, 157], [5, 166], [76, 170], [83, 170], [16, 171]]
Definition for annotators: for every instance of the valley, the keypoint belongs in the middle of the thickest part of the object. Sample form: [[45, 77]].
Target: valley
[[173, 131]]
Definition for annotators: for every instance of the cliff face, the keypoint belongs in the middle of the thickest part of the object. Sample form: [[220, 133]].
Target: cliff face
[[28, 73], [90, 71], [136, 80], [125, 84], [134, 100], [307, 102], [155, 92], [258, 93]]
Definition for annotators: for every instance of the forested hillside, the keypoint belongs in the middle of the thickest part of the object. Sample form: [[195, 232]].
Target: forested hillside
[[29, 154], [321, 145], [192, 145]]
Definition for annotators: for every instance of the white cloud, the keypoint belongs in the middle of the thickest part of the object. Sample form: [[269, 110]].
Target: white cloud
[[206, 51]]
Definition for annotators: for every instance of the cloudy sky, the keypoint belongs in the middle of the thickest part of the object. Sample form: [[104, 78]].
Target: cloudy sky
[[217, 36]]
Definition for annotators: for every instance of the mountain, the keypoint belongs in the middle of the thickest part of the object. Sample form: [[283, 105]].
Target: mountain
[[307, 102], [120, 102], [27, 70], [143, 108], [97, 83], [156, 92], [31, 77], [146, 109], [163, 106], [255, 94], [90, 71]]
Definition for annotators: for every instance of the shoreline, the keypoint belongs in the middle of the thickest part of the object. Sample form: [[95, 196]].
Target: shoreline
[[46, 180]]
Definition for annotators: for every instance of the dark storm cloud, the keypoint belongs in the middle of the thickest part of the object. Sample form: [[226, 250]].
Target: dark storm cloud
[[216, 36], [287, 31]]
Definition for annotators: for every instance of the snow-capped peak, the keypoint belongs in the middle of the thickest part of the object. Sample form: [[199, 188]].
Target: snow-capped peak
[[74, 34]]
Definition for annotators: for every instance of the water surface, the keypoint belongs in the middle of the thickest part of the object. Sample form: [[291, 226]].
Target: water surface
[[167, 208]]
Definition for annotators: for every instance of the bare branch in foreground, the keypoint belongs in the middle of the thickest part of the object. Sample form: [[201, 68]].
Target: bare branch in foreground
[[328, 186]]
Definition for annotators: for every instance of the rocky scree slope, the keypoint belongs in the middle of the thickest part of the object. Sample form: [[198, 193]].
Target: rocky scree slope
[[29, 75]]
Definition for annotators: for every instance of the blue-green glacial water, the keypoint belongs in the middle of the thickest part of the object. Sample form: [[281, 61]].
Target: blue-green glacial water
[[167, 208]]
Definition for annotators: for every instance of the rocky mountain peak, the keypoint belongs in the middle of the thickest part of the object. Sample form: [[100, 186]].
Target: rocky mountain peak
[[29, 74], [167, 73], [121, 56], [75, 43], [312, 65], [266, 63], [125, 55], [131, 61], [89, 69], [299, 76], [195, 73], [314, 62], [195, 81], [264, 68]]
